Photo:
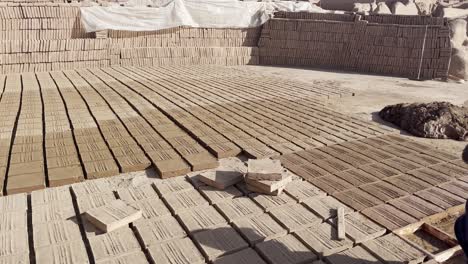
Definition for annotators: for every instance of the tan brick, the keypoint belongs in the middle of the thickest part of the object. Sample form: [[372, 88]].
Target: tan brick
[[180, 251], [159, 230], [259, 228], [181, 201], [66, 253], [55, 233], [121, 241], [239, 208], [113, 215], [219, 241], [286, 249], [215, 196], [201, 218]]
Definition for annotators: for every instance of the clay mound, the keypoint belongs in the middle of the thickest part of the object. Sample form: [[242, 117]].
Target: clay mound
[[430, 120]]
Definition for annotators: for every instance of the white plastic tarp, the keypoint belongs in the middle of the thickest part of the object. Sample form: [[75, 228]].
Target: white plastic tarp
[[192, 13]]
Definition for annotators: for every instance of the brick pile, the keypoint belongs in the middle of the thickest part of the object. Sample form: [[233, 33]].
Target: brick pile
[[413, 51], [49, 36]]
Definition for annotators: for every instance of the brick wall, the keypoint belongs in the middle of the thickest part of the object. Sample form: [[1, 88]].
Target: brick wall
[[412, 51], [44, 37]]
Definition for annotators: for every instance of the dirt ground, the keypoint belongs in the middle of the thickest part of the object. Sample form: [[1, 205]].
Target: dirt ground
[[374, 92]]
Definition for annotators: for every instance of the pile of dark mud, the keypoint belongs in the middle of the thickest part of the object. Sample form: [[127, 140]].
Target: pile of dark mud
[[430, 120]]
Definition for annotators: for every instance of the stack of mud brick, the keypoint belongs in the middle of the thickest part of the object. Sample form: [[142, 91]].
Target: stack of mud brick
[[417, 49], [50, 36]]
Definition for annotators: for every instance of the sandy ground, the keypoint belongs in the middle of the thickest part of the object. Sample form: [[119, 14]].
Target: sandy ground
[[374, 92]]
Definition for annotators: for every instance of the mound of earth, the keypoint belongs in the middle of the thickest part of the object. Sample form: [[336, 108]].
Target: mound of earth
[[430, 120]]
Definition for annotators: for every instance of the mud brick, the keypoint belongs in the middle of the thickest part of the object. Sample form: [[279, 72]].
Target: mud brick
[[391, 248], [303, 190], [218, 242], [450, 169], [357, 199], [259, 152], [55, 233], [356, 177], [383, 191], [221, 179], [180, 251], [332, 184], [332, 166], [171, 168], [308, 171], [286, 249], [10, 221], [52, 212], [26, 157], [416, 207], [380, 170], [422, 159], [101, 168], [18, 148], [171, 186], [90, 201], [135, 257], [224, 150], [322, 239], [201, 218], [259, 228], [201, 161], [51, 195], [121, 241], [181, 201], [133, 163], [408, 183], [14, 242], [151, 208], [10, 203], [354, 255], [135, 194], [65, 175], [18, 259], [26, 168], [430, 176], [238, 208], [360, 228], [113, 215], [441, 155], [460, 163], [389, 216], [264, 169], [161, 155], [441, 198], [159, 230], [95, 155], [458, 188], [402, 164], [245, 256], [325, 207], [25, 183], [270, 186], [61, 151], [269, 202], [91, 187], [397, 150], [214, 195], [70, 252], [295, 217]]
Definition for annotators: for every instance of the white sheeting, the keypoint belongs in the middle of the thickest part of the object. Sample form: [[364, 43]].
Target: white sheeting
[[192, 13]]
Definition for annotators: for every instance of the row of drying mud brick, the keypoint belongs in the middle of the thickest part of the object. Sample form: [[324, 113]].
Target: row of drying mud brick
[[394, 181], [421, 52], [185, 222], [118, 120]]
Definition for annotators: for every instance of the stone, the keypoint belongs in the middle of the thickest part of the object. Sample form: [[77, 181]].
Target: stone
[[431, 120], [179, 251], [114, 243], [264, 169], [55, 233], [393, 249], [159, 230], [181, 201], [323, 239], [219, 241], [326, 206], [246, 256], [259, 228], [66, 253], [214, 195], [201, 218], [238, 208], [221, 179], [303, 190], [285, 249], [113, 215], [295, 217]]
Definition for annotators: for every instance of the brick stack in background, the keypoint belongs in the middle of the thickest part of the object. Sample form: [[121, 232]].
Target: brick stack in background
[[413, 51], [49, 36]]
